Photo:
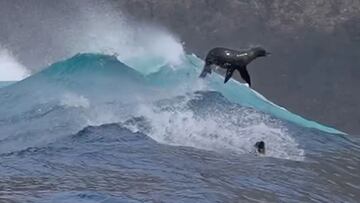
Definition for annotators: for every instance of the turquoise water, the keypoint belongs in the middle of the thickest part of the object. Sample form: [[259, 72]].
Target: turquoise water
[[4, 84]]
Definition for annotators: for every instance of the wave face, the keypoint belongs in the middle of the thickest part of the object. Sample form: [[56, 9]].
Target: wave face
[[4, 84], [157, 132]]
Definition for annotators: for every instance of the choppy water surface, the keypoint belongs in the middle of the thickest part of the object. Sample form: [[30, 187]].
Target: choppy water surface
[[91, 129]]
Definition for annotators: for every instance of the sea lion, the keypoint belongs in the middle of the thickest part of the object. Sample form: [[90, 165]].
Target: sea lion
[[232, 60], [260, 147]]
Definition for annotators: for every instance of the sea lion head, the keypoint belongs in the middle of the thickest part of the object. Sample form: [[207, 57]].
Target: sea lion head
[[260, 52]]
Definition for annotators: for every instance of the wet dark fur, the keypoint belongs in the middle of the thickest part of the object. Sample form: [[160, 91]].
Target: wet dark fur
[[232, 60]]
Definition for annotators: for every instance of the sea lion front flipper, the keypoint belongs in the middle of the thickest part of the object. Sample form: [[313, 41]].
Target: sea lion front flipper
[[245, 75], [205, 71], [228, 74]]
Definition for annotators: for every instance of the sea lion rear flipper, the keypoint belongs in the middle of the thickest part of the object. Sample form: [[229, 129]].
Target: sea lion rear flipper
[[245, 75], [228, 74], [205, 71]]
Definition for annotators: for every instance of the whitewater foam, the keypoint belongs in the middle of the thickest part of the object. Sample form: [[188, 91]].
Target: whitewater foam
[[222, 132], [10, 68], [74, 100]]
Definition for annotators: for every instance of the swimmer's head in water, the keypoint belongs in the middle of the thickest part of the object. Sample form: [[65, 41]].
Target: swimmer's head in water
[[259, 52], [260, 147]]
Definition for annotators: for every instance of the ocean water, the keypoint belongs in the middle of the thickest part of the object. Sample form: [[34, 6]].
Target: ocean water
[[93, 129], [5, 83]]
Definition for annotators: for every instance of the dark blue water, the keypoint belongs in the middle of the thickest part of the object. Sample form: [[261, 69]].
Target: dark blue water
[[91, 129]]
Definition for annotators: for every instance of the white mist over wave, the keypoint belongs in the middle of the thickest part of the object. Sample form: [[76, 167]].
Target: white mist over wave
[[68, 27], [101, 28], [10, 68]]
